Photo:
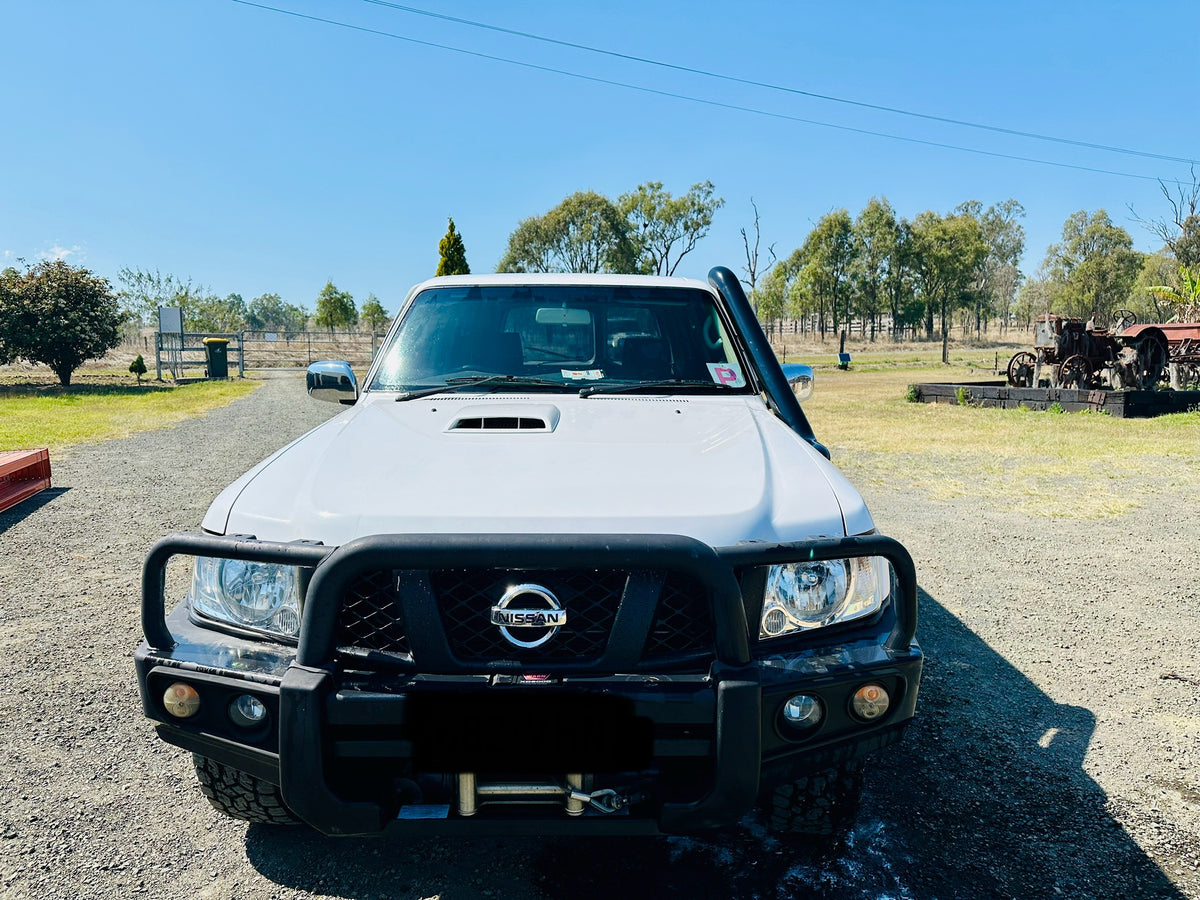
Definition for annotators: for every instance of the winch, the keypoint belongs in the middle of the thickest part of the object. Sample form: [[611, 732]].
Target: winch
[[473, 793]]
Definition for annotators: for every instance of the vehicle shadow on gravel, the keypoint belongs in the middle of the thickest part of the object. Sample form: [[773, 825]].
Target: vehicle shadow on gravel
[[985, 797]]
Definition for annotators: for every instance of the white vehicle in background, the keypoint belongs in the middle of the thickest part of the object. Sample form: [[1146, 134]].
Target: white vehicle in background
[[572, 561]]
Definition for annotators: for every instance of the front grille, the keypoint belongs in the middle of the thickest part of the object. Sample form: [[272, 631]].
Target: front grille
[[682, 623], [466, 596], [372, 615]]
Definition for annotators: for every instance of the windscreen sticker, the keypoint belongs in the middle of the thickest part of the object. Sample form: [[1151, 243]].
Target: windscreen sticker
[[583, 374], [728, 374]]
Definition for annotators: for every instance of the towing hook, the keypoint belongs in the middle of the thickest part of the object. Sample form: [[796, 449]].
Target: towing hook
[[606, 800]]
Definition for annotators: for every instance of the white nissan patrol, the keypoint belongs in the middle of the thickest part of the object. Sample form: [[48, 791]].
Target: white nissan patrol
[[572, 560]]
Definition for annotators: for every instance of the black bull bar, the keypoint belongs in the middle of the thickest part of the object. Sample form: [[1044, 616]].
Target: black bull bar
[[309, 680]]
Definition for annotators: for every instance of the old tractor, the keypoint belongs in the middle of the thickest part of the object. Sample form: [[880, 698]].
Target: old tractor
[[1072, 353]]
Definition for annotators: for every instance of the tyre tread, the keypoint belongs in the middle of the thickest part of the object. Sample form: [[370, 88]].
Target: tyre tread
[[822, 804], [240, 795]]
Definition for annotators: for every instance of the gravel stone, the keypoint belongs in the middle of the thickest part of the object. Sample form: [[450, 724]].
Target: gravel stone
[[1056, 749]]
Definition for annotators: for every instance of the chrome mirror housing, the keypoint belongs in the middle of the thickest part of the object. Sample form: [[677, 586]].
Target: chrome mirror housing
[[332, 381], [800, 378]]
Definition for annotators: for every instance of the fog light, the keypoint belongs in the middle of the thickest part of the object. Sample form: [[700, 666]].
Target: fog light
[[181, 700], [803, 712], [247, 711], [870, 702]]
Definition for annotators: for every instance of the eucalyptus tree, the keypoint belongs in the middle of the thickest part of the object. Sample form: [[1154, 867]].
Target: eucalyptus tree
[[143, 292], [948, 252], [215, 314], [1094, 267], [586, 232], [373, 316], [899, 282], [875, 238], [771, 294], [998, 275], [665, 229], [824, 273], [335, 309], [1033, 298], [269, 312]]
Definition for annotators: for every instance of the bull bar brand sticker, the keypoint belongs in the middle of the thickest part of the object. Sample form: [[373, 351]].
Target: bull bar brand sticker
[[728, 374]]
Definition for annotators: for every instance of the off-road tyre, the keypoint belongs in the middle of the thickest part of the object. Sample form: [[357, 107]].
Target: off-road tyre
[[240, 795], [821, 805]]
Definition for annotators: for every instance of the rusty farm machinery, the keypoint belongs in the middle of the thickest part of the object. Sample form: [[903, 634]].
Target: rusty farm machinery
[[1122, 355]]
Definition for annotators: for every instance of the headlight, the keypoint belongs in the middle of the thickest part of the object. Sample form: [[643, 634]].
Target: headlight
[[250, 594], [803, 596]]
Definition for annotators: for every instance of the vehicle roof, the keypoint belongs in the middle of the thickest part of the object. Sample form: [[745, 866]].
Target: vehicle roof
[[562, 278]]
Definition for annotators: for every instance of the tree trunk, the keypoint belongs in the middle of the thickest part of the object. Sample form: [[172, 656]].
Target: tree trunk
[[946, 339]]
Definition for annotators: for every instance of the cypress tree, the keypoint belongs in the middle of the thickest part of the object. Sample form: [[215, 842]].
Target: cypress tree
[[453, 254]]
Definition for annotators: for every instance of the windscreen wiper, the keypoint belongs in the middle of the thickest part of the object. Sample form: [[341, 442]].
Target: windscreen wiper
[[668, 384], [496, 381]]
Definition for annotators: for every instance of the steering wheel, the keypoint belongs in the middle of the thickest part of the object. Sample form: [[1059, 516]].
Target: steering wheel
[[1122, 319]]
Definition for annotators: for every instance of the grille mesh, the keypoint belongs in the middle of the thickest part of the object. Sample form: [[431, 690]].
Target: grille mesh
[[683, 621], [590, 598], [372, 615]]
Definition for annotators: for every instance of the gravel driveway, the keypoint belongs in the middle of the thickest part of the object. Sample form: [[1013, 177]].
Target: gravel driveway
[[1056, 751]]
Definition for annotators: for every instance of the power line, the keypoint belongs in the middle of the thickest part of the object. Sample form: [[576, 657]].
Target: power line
[[700, 100], [782, 88]]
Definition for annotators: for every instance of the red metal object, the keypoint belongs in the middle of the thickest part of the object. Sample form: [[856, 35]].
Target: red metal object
[[1176, 332], [22, 474]]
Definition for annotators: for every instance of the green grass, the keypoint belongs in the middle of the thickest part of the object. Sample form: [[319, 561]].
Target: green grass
[[41, 416], [1043, 465]]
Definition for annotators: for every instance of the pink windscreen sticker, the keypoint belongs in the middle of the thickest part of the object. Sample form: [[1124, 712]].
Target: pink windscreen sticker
[[728, 374]]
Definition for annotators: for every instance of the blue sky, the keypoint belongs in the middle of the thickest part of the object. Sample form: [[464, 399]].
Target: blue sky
[[253, 151]]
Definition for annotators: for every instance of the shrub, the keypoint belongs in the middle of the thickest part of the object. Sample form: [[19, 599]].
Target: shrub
[[56, 314]]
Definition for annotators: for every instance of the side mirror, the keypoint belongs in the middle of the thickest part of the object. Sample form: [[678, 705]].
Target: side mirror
[[333, 382], [800, 378]]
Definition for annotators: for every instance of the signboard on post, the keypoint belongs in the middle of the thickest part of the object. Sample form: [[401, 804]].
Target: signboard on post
[[170, 339], [170, 319]]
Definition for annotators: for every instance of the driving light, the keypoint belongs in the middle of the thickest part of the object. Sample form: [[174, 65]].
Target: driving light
[[803, 712], [181, 700], [803, 596], [256, 595], [870, 702], [247, 711]]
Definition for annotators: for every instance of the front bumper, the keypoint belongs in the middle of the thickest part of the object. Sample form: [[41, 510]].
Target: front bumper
[[689, 749]]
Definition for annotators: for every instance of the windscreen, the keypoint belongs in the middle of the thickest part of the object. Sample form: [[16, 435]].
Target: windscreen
[[566, 337]]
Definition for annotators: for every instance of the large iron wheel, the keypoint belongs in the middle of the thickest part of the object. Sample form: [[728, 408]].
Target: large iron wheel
[[1076, 372], [1020, 369], [1153, 357]]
